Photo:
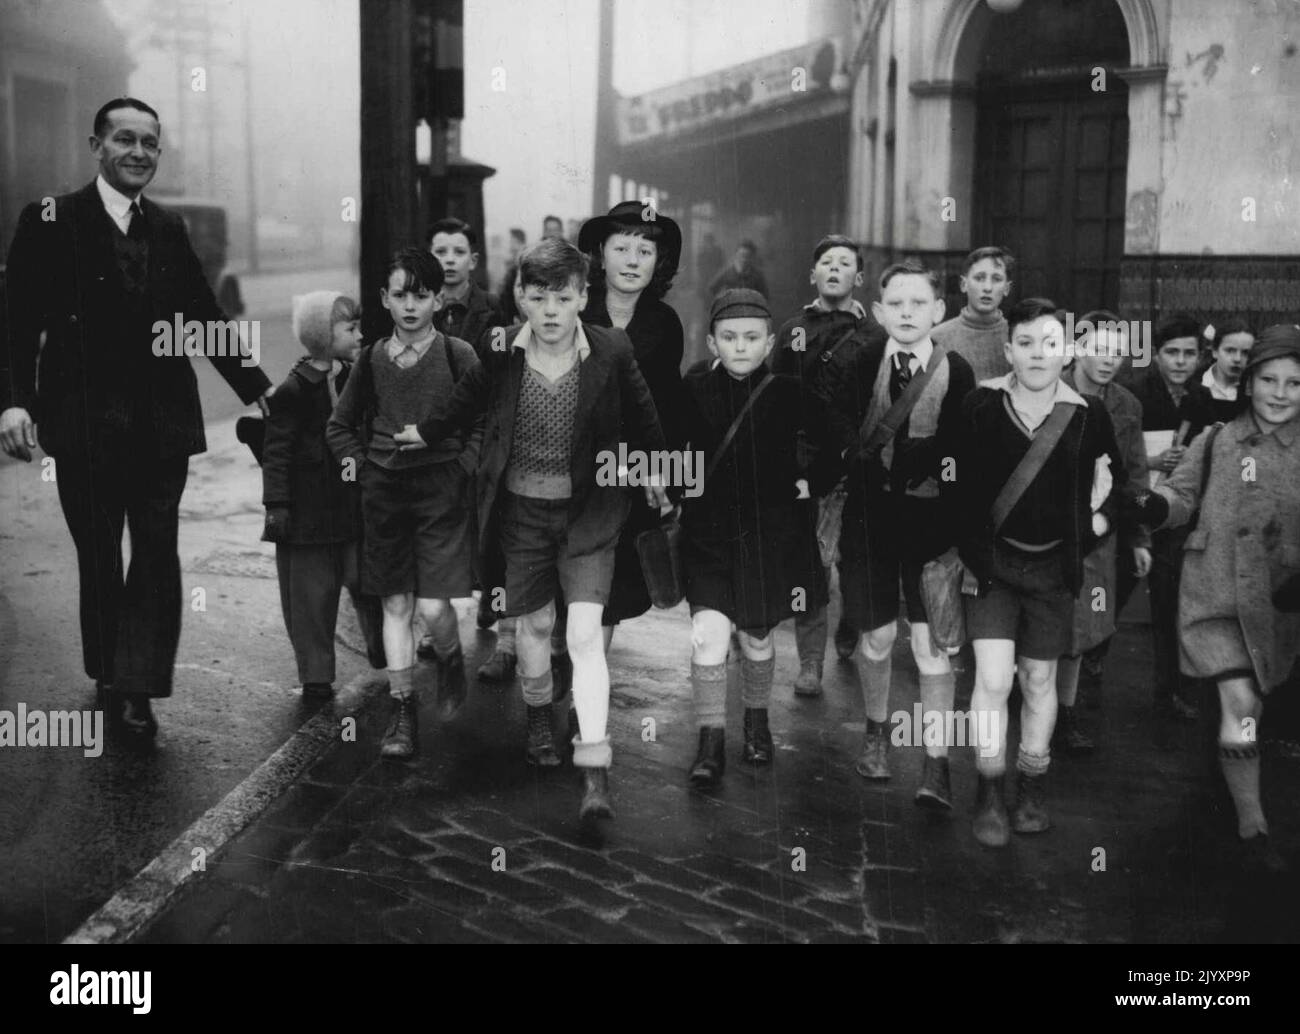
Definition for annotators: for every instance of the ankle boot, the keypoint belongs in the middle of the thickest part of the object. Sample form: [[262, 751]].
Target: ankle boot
[[935, 791], [808, 683], [990, 824], [595, 795], [541, 745], [1070, 735], [758, 737], [402, 739], [873, 762], [1030, 813], [711, 760], [451, 684]]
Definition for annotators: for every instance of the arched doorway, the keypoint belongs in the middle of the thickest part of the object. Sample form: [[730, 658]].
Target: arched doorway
[[1051, 147]]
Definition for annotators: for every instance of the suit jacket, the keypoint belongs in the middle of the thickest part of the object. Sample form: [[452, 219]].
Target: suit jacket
[[471, 320], [614, 405], [97, 381], [298, 472]]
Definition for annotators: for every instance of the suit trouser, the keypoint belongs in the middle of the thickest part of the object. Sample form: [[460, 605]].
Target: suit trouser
[[130, 627], [1166, 567], [311, 577]]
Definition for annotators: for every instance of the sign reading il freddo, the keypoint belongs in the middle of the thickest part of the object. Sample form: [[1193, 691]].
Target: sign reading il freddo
[[734, 92]]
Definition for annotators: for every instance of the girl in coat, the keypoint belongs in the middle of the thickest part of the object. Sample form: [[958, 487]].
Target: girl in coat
[[1244, 478]]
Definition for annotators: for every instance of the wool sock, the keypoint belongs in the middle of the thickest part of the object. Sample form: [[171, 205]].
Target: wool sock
[[401, 683], [1033, 764], [506, 635], [709, 694], [874, 677], [1240, 763], [937, 693], [592, 755], [537, 691], [756, 681]]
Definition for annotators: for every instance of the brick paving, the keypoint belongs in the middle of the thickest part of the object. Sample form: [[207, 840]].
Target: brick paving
[[469, 844]]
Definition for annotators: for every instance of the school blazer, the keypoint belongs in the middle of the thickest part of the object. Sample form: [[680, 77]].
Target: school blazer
[[63, 281], [614, 405]]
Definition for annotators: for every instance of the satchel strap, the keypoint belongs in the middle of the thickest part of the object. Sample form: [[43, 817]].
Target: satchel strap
[[1045, 441], [829, 354], [901, 408], [735, 426]]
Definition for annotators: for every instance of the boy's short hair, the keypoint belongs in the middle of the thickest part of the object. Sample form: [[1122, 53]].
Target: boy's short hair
[[1176, 326], [100, 125], [837, 240], [345, 310], [1236, 325], [518, 235], [1098, 319], [553, 264], [912, 267], [423, 271], [450, 226], [994, 252], [1029, 309]]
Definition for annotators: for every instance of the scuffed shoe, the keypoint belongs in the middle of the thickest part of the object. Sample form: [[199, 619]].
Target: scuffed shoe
[[595, 795], [711, 758], [935, 791], [137, 716], [451, 684], [402, 739], [990, 825], [808, 683], [873, 762], [1030, 813], [500, 667], [541, 744]]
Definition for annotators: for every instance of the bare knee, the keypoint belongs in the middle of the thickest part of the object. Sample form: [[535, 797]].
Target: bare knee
[[399, 607], [756, 648], [538, 624], [878, 642]]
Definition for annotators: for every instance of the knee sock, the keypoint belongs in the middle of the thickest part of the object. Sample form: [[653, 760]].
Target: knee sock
[[709, 694], [1240, 763], [538, 691], [401, 683], [937, 693], [874, 677], [756, 681], [1033, 764], [506, 635]]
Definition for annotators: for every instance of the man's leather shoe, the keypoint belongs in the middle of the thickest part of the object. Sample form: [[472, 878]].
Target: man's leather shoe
[[711, 759], [935, 791]]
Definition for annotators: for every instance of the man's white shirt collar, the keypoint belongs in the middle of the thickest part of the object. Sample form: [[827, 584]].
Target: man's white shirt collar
[[922, 350], [1064, 393], [117, 204], [817, 305]]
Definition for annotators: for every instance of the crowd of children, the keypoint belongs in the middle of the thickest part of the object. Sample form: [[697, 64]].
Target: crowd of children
[[461, 453]]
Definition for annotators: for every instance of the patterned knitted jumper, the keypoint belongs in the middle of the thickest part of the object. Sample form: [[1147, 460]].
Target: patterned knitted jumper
[[540, 460]]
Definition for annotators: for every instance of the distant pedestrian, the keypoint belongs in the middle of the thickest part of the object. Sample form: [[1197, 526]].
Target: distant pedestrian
[[741, 272]]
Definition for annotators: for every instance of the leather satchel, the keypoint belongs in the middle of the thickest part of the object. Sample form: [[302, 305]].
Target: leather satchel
[[659, 548], [945, 579]]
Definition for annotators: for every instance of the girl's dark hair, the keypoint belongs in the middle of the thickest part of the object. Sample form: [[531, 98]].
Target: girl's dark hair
[[1232, 326], [665, 262], [423, 271]]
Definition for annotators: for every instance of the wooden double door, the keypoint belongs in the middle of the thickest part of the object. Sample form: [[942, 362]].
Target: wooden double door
[[1050, 177]]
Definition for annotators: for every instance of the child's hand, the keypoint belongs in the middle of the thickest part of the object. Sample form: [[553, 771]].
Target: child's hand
[[1102, 481], [408, 438], [277, 525], [802, 485], [656, 497], [1141, 561]]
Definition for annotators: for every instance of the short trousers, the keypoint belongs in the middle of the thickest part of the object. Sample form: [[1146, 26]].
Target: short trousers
[[887, 544], [541, 560], [1028, 602], [417, 531], [753, 633]]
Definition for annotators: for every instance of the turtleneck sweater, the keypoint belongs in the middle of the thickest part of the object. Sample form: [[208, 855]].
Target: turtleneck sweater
[[980, 340]]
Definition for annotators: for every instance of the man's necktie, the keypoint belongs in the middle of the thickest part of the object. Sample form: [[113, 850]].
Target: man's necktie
[[137, 231], [899, 376]]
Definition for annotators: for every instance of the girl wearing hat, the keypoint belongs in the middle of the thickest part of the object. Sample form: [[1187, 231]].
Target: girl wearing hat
[[635, 253], [1244, 477]]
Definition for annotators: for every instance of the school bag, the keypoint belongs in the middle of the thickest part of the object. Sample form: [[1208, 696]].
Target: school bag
[[945, 578], [659, 548]]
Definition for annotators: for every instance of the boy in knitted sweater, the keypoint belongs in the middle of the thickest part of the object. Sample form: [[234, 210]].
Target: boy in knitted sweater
[[415, 505], [979, 332]]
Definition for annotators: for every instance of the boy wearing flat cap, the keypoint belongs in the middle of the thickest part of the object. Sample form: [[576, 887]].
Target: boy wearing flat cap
[[749, 556]]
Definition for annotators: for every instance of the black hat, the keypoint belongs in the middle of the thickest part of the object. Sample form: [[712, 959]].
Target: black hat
[[1280, 341], [644, 218], [738, 302]]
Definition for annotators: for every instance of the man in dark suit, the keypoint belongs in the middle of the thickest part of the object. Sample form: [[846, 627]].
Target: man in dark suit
[[90, 273]]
